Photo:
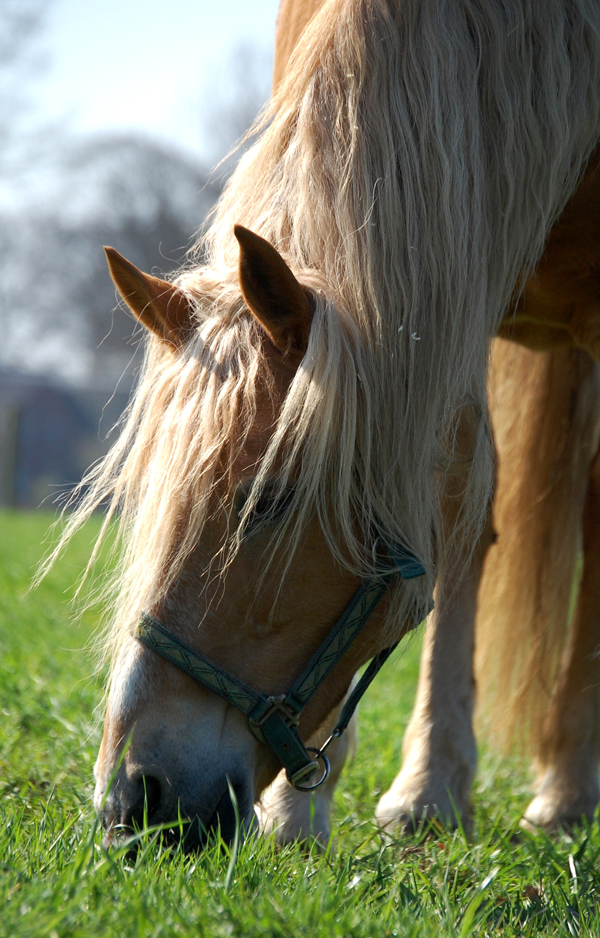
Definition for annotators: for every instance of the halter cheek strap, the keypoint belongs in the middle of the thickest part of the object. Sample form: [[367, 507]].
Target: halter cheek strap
[[274, 719]]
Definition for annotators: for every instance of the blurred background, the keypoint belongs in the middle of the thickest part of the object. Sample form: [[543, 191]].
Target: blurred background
[[113, 117]]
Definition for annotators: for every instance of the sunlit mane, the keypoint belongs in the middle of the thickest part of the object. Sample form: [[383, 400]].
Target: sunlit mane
[[410, 182]]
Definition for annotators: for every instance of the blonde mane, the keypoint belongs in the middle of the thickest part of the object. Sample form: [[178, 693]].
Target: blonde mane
[[408, 168]]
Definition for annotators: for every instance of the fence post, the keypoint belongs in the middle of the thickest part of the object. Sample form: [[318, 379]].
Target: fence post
[[9, 436]]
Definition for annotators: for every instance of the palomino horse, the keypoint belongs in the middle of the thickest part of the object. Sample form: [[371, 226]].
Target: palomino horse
[[534, 686], [308, 449]]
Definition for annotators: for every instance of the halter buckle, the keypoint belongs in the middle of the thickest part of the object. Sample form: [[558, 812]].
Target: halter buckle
[[308, 769]]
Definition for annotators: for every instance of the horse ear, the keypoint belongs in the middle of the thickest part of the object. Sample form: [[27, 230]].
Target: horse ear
[[273, 295], [160, 307]]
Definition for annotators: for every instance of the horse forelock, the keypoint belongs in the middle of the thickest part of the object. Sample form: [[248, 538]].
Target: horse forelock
[[409, 168]]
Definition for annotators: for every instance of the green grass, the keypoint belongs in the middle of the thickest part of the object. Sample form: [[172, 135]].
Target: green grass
[[58, 881]]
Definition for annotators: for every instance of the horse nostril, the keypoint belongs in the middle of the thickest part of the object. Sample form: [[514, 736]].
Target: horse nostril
[[152, 796], [144, 807], [224, 817]]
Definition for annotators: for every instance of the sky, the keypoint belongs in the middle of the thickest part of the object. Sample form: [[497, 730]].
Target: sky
[[149, 65]]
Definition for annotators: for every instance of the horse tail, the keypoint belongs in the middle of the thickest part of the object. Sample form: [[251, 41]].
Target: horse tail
[[546, 414]]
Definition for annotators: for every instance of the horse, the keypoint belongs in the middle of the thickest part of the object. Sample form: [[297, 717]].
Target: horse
[[536, 640], [308, 450]]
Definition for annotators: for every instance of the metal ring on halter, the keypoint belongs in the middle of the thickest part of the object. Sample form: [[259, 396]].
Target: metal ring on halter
[[297, 778]]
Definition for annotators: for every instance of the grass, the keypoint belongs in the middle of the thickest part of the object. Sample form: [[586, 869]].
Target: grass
[[58, 881]]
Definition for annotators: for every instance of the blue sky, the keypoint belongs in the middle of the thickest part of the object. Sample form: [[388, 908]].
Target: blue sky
[[150, 65]]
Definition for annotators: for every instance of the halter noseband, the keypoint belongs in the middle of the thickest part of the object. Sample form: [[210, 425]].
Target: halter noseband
[[274, 720]]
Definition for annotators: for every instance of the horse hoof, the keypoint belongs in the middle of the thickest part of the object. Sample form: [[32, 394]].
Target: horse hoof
[[400, 816], [550, 814]]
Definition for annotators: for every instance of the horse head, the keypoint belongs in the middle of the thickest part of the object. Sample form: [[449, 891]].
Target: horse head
[[172, 747]]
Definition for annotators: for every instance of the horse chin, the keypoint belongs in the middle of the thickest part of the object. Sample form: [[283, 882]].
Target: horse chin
[[188, 776]]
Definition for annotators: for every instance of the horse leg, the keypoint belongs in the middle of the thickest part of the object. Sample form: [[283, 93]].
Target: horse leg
[[296, 815], [439, 749], [568, 781]]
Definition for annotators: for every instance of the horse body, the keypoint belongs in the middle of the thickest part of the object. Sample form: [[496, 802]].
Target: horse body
[[537, 679], [546, 441], [560, 305], [299, 405]]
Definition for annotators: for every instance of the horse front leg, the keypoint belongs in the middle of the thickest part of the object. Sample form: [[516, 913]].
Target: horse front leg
[[567, 783], [439, 749], [292, 815]]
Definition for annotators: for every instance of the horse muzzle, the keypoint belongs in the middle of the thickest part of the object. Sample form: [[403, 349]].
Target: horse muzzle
[[143, 800], [184, 768]]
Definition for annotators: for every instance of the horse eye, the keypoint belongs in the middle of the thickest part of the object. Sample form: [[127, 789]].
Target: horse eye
[[271, 504]]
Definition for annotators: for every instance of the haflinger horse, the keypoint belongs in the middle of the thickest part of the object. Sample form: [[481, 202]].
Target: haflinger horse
[[536, 639], [308, 449]]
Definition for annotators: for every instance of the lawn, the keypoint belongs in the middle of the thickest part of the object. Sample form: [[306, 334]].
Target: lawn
[[58, 881]]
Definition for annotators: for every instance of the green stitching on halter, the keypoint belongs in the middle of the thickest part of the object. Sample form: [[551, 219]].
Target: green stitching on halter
[[154, 635], [350, 623], [274, 720], [266, 715]]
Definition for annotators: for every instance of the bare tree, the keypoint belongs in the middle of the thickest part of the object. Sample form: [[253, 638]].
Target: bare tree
[[143, 199], [232, 102], [58, 311], [21, 22]]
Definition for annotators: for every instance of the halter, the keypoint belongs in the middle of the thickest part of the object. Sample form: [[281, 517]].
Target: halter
[[274, 720]]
